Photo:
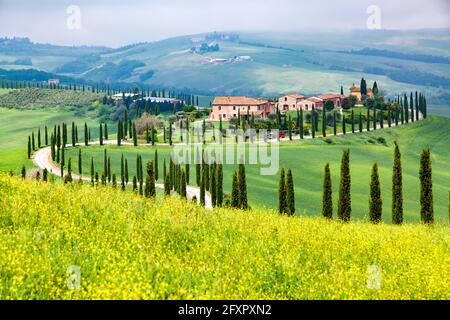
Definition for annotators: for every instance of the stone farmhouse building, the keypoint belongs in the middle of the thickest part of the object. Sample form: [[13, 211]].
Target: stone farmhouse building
[[228, 107], [356, 92]]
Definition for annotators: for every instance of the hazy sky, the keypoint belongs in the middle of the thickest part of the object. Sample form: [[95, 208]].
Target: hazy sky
[[115, 23]]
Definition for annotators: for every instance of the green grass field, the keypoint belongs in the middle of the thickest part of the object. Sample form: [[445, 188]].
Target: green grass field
[[16, 125], [307, 159], [129, 247]]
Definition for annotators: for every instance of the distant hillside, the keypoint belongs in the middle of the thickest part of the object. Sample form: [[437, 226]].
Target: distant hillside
[[257, 64]]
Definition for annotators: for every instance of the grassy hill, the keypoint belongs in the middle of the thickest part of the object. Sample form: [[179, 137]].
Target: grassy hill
[[128, 247], [307, 159], [400, 61]]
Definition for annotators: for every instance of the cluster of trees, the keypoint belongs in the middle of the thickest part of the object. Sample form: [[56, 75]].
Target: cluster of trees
[[375, 199], [286, 194], [209, 177]]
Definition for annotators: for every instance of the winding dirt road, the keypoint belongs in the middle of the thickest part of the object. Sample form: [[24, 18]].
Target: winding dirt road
[[42, 158]]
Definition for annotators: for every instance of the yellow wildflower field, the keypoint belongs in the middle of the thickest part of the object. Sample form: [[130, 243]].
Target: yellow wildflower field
[[80, 242]]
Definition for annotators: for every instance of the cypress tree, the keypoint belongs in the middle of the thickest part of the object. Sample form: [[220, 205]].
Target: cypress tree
[[397, 188], [324, 123], [153, 136], [235, 191], [368, 119], [29, 147], [344, 125], [166, 185], [52, 147], [122, 167], [92, 171], [290, 194], [109, 169], [119, 133], [46, 136], [302, 131], [105, 163], [114, 181], [344, 205], [62, 162], [389, 118], [135, 187], [135, 138], [126, 171], [80, 164], [32, 141], [375, 201], [327, 197], [74, 138], [106, 131], [198, 167], [212, 188], [170, 133], [23, 172], [164, 170], [202, 190], [183, 185], [374, 118], [86, 135], [125, 124], [156, 169], [219, 187], [39, 138], [426, 188], [282, 207], [243, 202], [101, 134], [313, 122]]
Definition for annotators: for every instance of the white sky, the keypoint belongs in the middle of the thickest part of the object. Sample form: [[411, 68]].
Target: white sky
[[116, 23]]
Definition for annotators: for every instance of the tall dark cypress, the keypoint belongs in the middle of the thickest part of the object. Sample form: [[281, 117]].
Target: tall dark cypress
[[324, 123], [375, 201], [80, 164], [235, 191], [327, 197], [243, 201], [29, 147], [74, 137], [119, 133], [202, 190], [86, 135], [101, 134], [282, 207], [105, 163], [426, 188], [397, 188], [106, 131], [156, 166], [39, 138], [212, 188], [126, 171], [219, 187], [62, 162], [198, 167], [374, 118], [92, 171], [313, 122], [46, 136], [109, 169], [290, 194], [344, 125], [135, 138], [368, 120], [33, 146], [183, 185], [302, 132], [345, 203]]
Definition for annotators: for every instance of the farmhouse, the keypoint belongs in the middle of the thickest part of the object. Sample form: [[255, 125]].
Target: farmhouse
[[356, 92], [311, 102], [120, 96], [290, 102], [228, 107]]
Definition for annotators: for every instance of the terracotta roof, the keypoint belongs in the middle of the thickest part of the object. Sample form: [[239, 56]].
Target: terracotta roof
[[314, 99], [328, 96], [238, 101], [356, 89], [296, 96]]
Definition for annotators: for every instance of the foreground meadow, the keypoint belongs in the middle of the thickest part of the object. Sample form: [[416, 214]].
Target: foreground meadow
[[128, 247]]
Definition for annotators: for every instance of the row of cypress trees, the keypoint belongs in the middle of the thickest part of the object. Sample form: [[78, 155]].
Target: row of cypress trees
[[375, 199]]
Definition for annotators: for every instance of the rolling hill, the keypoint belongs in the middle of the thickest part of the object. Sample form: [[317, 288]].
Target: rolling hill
[[260, 64]]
